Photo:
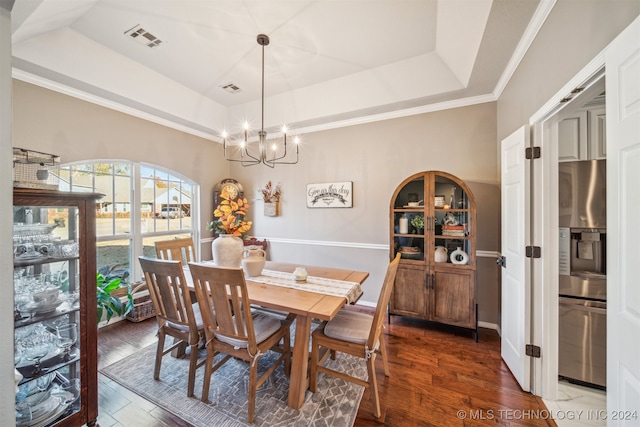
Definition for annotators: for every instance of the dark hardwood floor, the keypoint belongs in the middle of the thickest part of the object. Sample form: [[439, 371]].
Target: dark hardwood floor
[[439, 377]]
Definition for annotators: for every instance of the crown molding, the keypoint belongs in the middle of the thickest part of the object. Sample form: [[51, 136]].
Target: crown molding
[[154, 118]]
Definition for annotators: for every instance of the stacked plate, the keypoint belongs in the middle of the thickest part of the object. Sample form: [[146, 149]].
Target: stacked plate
[[41, 408]]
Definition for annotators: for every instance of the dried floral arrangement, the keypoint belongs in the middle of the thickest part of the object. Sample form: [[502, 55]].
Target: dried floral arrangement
[[271, 193]]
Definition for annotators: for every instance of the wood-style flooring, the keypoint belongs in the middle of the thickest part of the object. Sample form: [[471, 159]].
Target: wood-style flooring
[[439, 377]]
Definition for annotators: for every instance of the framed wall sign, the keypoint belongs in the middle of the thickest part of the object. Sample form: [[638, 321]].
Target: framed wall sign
[[330, 195]]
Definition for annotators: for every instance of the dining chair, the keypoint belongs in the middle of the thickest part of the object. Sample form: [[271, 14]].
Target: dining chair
[[177, 249], [253, 241], [358, 334], [177, 316], [232, 328]]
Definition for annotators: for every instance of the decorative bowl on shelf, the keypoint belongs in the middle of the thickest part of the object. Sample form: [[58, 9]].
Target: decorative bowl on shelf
[[410, 252]]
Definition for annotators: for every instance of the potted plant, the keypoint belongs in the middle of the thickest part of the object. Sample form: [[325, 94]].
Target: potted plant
[[418, 222], [107, 296], [271, 196]]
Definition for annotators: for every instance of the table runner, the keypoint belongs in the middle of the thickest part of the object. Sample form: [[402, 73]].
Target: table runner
[[348, 290]]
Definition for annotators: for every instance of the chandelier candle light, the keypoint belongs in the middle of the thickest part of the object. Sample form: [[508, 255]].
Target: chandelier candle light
[[250, 155]]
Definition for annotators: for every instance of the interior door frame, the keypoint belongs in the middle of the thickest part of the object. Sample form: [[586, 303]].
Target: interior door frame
[[544, 216]]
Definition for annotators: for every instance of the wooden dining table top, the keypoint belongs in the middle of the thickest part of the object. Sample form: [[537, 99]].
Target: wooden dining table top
[[308, 303], [320, 306]]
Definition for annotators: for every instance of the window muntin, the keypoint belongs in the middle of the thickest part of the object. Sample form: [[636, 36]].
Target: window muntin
[[126, 228]]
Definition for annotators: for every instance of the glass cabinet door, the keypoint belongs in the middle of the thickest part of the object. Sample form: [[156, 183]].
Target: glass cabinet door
[[452, 222], [409, 220], [46, 313]]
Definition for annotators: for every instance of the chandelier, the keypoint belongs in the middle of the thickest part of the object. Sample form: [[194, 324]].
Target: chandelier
[[268, 152]]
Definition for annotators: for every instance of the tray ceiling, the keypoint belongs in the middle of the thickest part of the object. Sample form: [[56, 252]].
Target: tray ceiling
[[328, 61]]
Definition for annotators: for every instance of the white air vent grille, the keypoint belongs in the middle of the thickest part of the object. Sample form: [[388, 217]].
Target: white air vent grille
[[142, 36], [231, 88]]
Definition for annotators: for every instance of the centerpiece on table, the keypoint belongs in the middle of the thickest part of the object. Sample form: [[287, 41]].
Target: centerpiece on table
[[271, 196], [230, 226]]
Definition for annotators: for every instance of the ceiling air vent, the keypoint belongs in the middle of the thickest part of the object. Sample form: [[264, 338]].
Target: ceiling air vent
[[142, 36], [231, 88]]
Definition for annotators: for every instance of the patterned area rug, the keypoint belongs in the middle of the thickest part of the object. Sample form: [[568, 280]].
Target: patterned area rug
[[335, 404]]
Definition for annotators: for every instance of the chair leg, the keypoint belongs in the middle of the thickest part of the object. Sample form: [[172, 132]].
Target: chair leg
[[160, 349], [193, 362], [287, 352], [373, 385], [253, 379], [385, 360], [313, 371], [208, 370]]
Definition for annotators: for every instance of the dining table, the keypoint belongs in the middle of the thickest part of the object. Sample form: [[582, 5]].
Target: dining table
[[306, 305]]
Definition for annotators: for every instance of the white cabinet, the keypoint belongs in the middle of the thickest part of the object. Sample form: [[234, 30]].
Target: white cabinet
[[572, 138], [597, 134], [582, 135]]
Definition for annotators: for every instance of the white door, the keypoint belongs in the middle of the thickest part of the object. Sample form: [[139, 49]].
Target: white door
[[622, 62], [516, 301]]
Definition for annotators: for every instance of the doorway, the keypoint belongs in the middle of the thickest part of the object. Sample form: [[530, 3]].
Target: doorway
[[622, 62], [564, 134]]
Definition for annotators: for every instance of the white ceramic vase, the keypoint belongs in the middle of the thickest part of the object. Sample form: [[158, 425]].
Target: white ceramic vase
[[253, 260], [227, 250], [459, 256], [440, 254]]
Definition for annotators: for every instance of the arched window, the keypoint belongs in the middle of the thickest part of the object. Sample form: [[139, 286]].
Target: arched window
[[142, 203]]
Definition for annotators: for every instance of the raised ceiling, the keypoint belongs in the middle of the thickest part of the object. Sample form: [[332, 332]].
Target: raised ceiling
[[329, 61]]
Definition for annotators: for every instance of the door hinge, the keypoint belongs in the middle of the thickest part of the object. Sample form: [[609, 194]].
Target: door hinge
[[532, 350], [532, 153], [533, 252], [502, 261]]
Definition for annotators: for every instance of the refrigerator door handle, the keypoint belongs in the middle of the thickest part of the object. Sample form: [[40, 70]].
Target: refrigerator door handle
[[577, 304]]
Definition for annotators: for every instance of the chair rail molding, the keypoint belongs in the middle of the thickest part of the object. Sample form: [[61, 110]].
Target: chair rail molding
[[357, 245]]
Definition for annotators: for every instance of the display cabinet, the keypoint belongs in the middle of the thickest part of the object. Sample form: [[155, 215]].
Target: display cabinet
[[432, 225], [55, 325]]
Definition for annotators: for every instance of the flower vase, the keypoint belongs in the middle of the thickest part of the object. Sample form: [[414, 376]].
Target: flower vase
[[459, 256], [227, 250]]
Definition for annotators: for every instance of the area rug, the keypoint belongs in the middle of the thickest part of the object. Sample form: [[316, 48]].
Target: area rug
[[334, 404]]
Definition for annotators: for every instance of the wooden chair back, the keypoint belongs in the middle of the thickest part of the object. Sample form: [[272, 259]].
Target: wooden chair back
[[176, 249], [255, 242], [169, 292], [383, 302], [224, 304]]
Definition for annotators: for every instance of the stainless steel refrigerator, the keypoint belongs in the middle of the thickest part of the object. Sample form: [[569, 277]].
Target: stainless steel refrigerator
[[583, 269]]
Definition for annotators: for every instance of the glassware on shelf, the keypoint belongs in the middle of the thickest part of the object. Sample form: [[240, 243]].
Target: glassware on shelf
[[17, 353], [67, 337], [35, 350]]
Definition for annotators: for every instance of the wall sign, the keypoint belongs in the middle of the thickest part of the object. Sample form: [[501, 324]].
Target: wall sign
[[330, 195]]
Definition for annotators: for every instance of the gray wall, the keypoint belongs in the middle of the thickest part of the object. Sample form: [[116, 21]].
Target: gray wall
[[377, 157], [575, 32]]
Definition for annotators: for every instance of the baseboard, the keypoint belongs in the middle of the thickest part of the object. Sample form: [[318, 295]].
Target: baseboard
[[488, 325], [481, 324]]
